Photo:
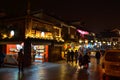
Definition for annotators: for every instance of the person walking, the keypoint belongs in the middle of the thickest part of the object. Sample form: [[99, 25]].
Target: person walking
[[72, 55], [68, 56], [2, 56], [86, 60], [21, 60], [34, 54], [80, 57], [97, 56], [76, 56]]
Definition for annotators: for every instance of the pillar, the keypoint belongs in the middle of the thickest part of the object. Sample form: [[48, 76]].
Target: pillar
[[27, 53]]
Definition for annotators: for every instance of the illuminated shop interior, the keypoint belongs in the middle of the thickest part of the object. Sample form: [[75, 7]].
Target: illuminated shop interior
[[40, 52]]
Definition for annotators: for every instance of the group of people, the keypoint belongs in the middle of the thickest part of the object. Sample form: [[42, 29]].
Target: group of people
[[78, 57], [70, 56], [82, 59]]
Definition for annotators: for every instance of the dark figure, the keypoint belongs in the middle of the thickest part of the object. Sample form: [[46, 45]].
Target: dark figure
[[68, 56], [21, 60], [76, 56], [34, 54], [2, 56], [72, 55], [97, 56], [86, 60], [80, 59]]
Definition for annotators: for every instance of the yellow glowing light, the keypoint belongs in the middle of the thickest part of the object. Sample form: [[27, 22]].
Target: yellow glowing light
[[80, 41], [86, 41], [104, 42], [91, 41], [4, 36], [96, 41]]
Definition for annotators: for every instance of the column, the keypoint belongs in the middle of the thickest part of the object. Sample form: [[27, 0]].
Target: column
[[27, 53]]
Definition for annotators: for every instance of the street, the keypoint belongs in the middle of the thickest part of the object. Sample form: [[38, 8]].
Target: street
[[53, 71]]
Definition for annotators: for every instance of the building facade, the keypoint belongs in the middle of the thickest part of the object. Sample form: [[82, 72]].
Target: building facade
[[42, 36], [36, 36]]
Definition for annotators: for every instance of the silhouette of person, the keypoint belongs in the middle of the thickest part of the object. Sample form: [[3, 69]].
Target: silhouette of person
[[72, 55], [21, 60], [86, 60], [76, 56], [2, 56], [68, 56], [97, 56], [80, 57]]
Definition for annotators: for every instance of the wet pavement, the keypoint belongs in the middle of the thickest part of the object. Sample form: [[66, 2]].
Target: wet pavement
[[53, 71]]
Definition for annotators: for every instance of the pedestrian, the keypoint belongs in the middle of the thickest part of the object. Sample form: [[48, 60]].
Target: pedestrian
[[34, 54], [68, 56], [76, 56], [86, 60], [2, 56], [21, 60], [97, 56], [72, 55], [80, 57]]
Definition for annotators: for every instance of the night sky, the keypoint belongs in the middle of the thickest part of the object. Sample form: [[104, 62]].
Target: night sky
[[97, 15]]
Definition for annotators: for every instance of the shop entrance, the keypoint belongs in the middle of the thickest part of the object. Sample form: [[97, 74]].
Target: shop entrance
[[12, 53], [40, 53]]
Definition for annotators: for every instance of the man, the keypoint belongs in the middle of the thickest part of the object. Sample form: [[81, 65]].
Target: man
[[98, 57], [2, 56], [76, 56], [20, 60], [68, 56], [72, 55], [86, 60]]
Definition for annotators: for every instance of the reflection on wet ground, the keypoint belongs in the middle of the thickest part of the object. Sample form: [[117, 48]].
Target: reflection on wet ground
[[54, 71]]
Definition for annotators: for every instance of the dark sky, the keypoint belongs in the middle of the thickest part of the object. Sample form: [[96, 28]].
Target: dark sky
[[97, 15]]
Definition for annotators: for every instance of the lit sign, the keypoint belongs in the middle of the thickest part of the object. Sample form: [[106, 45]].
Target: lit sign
[[82, 32], [41, 47]]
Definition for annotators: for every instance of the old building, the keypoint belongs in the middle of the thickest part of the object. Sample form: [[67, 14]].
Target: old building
[[35, 35]]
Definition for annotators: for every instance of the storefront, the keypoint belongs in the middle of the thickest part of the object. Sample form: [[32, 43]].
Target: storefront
[[12, 53], [39, 53]]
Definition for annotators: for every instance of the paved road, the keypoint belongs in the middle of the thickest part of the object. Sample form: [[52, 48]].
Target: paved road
[[53, 71]]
